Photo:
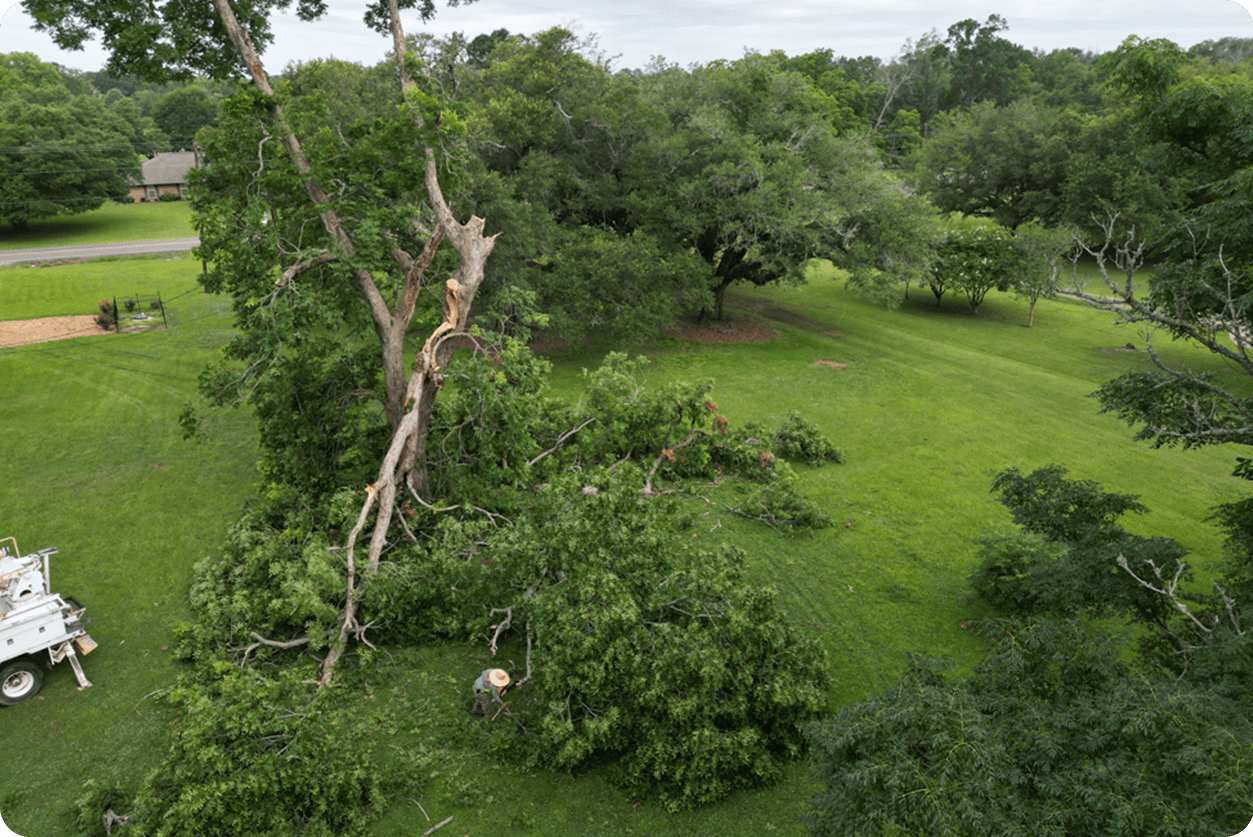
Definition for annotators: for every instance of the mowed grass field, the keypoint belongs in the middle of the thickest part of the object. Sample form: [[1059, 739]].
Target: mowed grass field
[[92, 461], [111, 222], [78, 289], [928, 402]]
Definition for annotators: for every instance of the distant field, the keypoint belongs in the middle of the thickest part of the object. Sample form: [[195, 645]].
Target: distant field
[[928, 402], [59, 290], [111, 222]]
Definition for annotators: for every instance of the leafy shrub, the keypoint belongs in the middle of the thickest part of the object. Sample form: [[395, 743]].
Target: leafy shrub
[[1061, 509], [260, 754], [650, 651], [169, 197], [130, 303], [1051, 735], [1065, 559], [798, 439], [975, 257], [1006, 577], [105, 321]]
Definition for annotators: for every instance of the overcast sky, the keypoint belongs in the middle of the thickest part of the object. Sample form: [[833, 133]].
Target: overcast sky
[[688, 31]]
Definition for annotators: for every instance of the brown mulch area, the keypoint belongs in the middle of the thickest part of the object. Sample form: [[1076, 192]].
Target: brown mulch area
[[735, 327], [42, 329], [770, 311]]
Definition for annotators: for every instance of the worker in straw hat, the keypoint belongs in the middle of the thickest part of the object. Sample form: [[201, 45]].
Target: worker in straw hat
[[490, 682]]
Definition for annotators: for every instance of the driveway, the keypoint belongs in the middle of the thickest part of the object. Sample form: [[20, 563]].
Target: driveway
[[95, 251]]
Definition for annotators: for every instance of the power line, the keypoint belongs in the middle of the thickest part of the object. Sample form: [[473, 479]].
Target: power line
[[39, 201], [54, 149], [4, 173]]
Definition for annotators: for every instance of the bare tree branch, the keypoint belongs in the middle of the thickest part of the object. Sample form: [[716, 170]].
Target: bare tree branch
[[1167, 589], [561, 440]]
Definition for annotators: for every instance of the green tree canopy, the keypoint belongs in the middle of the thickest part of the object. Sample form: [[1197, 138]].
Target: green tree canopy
[[1006, 163], [1051, 735], [756, 182], [1202, 130], [61, 153], [984, 67], [183, 112], [974, 257]]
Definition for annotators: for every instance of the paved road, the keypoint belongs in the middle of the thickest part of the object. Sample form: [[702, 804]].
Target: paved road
[[95, 251]]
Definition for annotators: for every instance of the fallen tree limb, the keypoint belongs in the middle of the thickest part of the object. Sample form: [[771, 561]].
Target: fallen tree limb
[[112, 820], [501, 626], [436, 827]]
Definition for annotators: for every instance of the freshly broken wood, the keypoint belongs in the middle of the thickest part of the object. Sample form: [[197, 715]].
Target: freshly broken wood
[[500, 627]]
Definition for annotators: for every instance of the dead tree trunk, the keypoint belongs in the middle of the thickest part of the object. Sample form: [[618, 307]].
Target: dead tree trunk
[[424, 383], [409, 397]]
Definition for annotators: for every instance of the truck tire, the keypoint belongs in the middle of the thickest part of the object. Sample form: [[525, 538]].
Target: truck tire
[[19, 681]]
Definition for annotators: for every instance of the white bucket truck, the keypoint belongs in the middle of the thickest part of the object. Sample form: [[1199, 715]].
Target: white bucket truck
[[33, 619]]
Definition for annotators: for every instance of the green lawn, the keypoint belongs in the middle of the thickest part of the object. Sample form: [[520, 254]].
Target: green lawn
[[930, 402], [111, 222], [94, 464], [50, 291]]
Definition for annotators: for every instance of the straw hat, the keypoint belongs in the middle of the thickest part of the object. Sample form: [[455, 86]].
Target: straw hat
[[498, 677]]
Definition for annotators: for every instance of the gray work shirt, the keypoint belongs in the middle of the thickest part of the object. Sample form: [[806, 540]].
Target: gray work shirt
[[484, 685]]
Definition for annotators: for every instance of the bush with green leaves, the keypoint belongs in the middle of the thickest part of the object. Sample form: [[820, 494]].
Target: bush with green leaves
[[1003, 578], [975, 257], [254, 753], [1060, 509], [797, 438], [649, 649], [1052, 735], [1066, 558]]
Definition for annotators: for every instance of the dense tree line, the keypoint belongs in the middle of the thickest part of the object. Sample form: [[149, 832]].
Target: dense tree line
[[71, 141], [62, 150]]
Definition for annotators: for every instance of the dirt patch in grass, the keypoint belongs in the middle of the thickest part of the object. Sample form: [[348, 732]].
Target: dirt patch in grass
[[770, 311], [733, 328], [834, 364], [42, 329]]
